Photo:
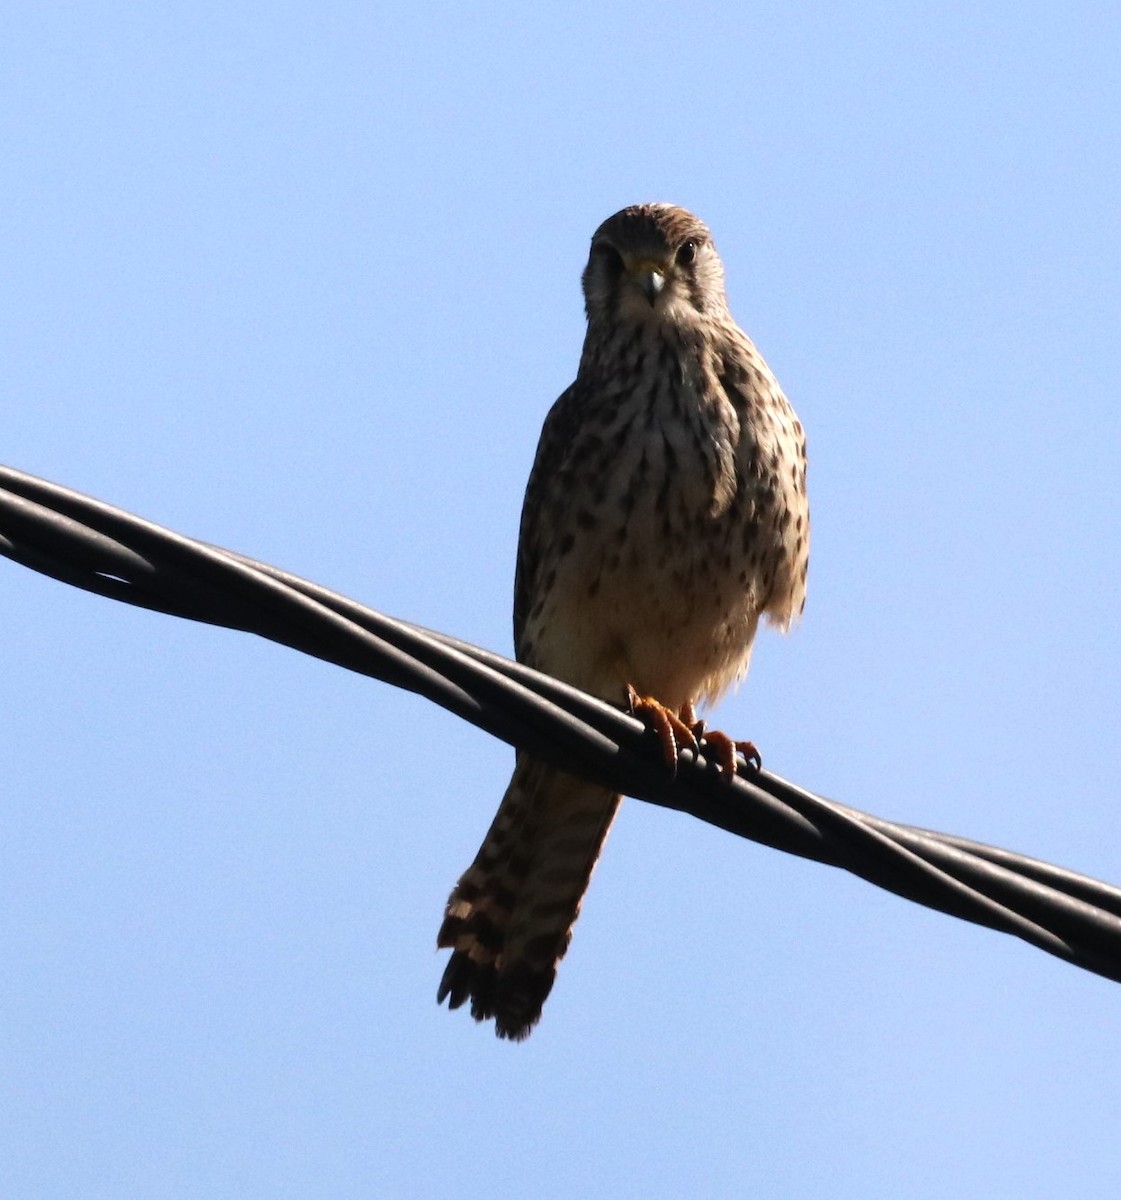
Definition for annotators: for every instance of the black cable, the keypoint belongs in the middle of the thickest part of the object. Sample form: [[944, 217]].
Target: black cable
[[102, 549]]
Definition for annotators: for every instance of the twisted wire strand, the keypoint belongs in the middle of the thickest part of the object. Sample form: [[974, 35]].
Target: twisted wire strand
[[94, 546]]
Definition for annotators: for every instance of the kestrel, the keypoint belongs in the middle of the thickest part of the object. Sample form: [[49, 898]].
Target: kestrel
[[665, 514]]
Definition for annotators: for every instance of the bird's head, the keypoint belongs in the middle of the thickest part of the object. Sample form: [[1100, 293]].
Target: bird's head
[[653, 262]]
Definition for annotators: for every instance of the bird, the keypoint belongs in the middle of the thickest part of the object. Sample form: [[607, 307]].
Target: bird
[[666, 513]]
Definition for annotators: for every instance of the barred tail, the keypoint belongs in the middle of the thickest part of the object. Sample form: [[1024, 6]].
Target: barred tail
[[509, 920]]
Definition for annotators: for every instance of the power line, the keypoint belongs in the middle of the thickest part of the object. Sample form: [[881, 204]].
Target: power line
[[102, 549]]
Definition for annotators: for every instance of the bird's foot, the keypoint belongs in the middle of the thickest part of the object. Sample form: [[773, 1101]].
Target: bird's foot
[[725, 749], [673, 732], [722, 747]]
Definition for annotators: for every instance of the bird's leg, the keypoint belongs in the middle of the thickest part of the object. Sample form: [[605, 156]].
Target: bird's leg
[[722, 746], [673, 733]]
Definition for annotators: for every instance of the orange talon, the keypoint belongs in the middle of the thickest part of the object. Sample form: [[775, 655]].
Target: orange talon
[[751, 753], [723, 750], [672, 732]]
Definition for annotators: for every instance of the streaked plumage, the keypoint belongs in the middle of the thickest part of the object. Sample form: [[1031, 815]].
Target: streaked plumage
[[665, 514]]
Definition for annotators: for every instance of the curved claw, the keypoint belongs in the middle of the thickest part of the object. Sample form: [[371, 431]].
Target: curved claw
[[672, 732], [724, 750]]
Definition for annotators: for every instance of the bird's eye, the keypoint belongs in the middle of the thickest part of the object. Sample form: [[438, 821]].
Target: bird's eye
[[686, 253], [608, 255]]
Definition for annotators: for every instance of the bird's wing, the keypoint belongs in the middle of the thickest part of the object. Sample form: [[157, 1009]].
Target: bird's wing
[[538, 508]]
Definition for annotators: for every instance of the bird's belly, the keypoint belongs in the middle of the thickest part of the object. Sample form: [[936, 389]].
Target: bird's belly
[[660, 615], [660, 583]]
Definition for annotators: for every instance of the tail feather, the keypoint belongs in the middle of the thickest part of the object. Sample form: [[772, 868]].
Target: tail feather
[[509, 920]]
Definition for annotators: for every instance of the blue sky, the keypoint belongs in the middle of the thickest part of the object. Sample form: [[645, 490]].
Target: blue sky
[[303, 280]]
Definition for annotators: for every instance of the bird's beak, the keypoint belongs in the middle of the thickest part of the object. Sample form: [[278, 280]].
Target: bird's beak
[[651, 279]]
